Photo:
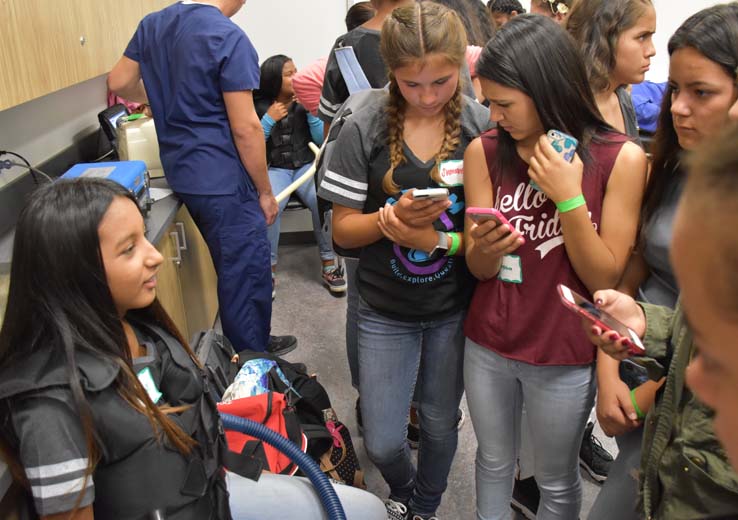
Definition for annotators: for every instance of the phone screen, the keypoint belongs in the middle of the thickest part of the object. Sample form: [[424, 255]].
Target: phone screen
[[600, 317]]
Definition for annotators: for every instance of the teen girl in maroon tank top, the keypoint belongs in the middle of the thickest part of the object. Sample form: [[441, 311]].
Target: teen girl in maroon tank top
[[572, 223]]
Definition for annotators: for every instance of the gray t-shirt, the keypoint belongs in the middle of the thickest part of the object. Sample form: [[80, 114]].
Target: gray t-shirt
[[661, 288], [401, 283], [629, 113]]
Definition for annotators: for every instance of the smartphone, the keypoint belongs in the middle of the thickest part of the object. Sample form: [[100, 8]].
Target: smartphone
[[430, 193], [583, 307], [563, 143], [480, 215]]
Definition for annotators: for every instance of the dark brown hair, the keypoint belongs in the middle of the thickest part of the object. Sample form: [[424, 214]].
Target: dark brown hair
[[59, 299], [713, 32], [596, 26]]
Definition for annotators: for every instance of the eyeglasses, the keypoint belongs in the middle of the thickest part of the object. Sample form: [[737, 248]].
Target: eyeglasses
[[556, 6]]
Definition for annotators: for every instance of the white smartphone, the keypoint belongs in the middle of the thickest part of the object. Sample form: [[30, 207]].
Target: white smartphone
[[430, 193]]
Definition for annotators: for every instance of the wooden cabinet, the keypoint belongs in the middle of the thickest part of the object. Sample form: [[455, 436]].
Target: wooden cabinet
[[187, 284], [49, 45]]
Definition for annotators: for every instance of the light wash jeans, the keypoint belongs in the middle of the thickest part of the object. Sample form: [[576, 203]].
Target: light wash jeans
[[618, 497], [281, 497], [558, 400], [280, 178], [392, 356]]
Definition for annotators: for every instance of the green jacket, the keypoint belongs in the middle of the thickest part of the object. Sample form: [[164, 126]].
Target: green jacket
[[685, 473]]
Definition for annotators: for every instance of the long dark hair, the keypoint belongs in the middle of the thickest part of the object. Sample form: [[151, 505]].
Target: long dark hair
[[59, 299], [596, 25], [534, 55], [477, 24], [270, 80], [713, 32]]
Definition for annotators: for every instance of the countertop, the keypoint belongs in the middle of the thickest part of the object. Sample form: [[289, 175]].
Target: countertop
[[160, 216]]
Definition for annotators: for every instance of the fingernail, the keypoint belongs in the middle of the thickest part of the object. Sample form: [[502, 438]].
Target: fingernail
[[599, 301], [632, 417], [627, 343], [613, 336]]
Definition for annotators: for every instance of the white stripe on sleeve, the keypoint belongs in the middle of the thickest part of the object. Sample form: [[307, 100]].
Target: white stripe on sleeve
[[61, 489], [54, 470], [328, 186], [346, 181]]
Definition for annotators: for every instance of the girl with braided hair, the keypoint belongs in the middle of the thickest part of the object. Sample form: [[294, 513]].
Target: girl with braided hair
[[412, 277]]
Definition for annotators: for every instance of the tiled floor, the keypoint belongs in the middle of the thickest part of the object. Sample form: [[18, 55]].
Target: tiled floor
[[305, 309]]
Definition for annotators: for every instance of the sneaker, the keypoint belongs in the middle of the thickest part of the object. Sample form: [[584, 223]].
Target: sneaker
[[395, 510], [418, 517], [281, 345], [274, 286], [593, 457], [333, 278], [525, 497], [460, 418], [413, 429], [413, 435]]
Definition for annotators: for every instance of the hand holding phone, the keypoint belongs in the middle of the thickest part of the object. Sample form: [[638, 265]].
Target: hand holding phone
[[563, 143], [588, 310], [499, 241], [479, 215], [424, 210], [430, 193]]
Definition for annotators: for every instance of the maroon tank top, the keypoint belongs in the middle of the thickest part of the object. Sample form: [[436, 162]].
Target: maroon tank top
[[526, 321]]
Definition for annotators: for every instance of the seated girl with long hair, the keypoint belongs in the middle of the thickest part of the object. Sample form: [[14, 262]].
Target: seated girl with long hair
[[105, 411]]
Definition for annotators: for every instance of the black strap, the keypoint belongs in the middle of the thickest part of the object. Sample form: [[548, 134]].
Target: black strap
[[245, 466]]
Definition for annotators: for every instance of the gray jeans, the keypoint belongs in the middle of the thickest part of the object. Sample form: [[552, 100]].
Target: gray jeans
[[558, 400], [619, 495], [281, 497]]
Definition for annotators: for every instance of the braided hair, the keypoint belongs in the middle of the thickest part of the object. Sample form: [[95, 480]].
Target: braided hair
[[408, 36]]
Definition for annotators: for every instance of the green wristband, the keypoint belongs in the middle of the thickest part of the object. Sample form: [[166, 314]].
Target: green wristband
[[570, 204], [638, 411], [455, 244]]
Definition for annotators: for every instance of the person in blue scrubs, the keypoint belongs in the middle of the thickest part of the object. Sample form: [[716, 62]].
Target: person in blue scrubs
[[200, 69]]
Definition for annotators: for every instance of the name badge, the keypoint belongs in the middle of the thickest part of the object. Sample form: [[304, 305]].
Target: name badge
[[147, 381], [511, 270], [452, 173]]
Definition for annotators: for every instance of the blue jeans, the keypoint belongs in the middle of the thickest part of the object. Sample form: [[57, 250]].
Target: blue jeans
[[280, 178], [393, 355], [558, 400], [281, 497]]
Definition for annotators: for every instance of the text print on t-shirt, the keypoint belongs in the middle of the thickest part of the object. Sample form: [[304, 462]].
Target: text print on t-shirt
[[415, 266], [546, 229]]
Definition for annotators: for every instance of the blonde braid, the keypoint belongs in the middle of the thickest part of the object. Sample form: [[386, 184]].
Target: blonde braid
[[452, 132], [395, 127]]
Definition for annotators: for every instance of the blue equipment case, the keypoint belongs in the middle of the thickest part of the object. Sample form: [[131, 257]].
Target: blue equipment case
[[132, 175]]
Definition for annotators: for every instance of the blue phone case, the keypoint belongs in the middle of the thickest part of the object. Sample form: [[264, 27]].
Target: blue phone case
[[563, 143]]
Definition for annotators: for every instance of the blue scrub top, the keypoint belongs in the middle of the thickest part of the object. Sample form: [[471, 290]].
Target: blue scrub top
[[189, 55]]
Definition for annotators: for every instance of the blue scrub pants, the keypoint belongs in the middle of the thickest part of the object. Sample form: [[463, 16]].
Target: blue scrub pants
[[235, 230]]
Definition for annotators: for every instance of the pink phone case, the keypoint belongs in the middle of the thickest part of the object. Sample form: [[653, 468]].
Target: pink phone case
[[479, 215], [602, 319]]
